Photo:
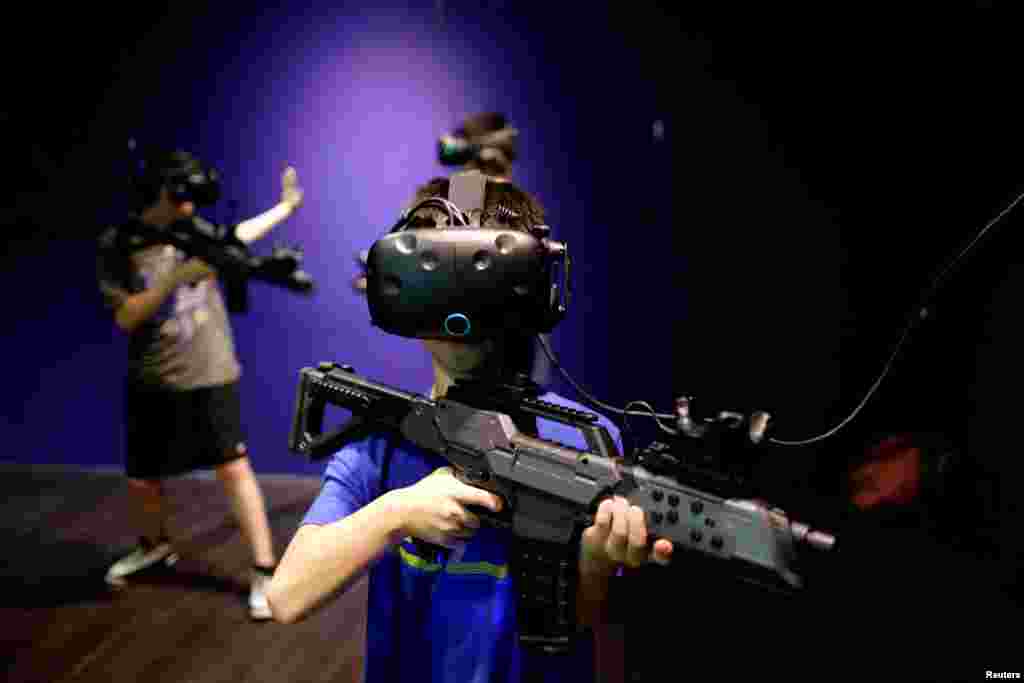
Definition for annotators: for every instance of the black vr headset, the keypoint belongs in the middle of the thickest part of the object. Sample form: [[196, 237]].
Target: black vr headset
[[186, 178], [456, 149], [466, 282]]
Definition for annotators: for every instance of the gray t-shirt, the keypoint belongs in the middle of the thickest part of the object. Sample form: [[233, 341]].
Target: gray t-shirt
[[188, 342]]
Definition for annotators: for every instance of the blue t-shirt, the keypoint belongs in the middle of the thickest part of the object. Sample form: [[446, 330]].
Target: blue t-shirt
[[434, 620]]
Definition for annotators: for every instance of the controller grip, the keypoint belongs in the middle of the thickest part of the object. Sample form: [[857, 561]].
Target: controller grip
[[432, 552], [483, 481]]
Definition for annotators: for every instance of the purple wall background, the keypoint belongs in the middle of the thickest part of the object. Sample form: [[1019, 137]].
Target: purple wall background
[[762, 255], [354, 99]]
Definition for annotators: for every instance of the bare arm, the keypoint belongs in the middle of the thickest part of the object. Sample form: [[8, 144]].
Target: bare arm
[[321, 560], [592, 598], [256, 227], [291, 198], [618, 538]]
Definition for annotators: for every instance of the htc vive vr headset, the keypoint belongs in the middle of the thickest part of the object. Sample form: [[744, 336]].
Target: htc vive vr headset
[[186, 178], [485, 138], [466, 281]]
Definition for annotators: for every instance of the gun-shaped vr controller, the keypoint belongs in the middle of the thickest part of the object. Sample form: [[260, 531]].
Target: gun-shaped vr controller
[[551, 491], [231, 257], [469, 282], [188, 179]]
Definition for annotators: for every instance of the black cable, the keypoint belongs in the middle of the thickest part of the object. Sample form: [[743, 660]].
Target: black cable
[[627, 432], [437, 203], [601, 405], [918, 314]]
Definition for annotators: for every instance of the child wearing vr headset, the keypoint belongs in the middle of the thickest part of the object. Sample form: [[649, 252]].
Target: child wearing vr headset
[[182, 401], [449, 616]]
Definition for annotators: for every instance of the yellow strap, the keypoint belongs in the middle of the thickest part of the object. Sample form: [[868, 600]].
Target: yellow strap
[[417, 561], [495, 570], [463, 568]]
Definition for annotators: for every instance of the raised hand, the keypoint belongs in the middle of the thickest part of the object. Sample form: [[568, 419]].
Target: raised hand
[[359, 282], [291, 193]]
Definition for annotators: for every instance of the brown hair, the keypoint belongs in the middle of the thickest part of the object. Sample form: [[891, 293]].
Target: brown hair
[[477, 127], [522, 209]]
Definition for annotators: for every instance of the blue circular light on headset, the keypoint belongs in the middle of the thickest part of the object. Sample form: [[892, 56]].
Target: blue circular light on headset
[[464, 323]]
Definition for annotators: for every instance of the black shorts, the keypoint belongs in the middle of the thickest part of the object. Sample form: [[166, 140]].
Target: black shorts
[[174, 432]]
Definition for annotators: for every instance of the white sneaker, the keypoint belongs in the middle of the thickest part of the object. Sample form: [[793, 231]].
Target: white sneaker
[[259, 608], [146, 554]]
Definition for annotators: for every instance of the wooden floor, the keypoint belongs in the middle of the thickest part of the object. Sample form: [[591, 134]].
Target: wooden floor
[[60, 529]]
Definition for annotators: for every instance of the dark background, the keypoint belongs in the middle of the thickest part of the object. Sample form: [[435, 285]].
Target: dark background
[[813, 174]]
